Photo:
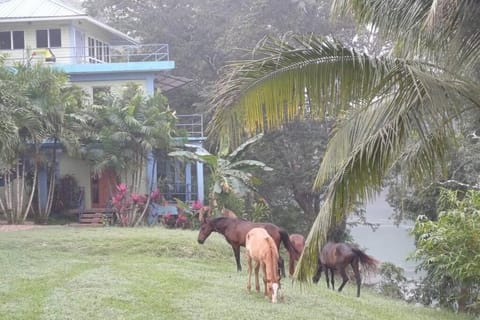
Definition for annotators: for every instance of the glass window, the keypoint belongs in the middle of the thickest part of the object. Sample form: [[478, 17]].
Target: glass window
[[5, 40], [55, 38], [18, 40], [51, 38], [42, 38]]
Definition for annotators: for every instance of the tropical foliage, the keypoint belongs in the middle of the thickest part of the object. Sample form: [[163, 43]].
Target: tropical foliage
[[397, 108], [39, 108], [229, 175], [128, 128], [447, 249]]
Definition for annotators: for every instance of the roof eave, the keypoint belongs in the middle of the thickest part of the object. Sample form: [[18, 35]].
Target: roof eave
[[79, 17]]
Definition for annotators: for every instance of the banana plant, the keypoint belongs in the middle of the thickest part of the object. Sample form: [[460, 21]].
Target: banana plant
[[228, 173]]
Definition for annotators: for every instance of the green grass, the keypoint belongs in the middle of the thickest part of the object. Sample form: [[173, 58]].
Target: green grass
[[156, 273]]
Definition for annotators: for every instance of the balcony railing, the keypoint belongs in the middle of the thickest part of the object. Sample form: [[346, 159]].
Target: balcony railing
[[191, 124], [96, 54]]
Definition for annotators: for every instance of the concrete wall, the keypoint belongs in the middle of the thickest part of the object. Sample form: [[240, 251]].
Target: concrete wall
[[80, 170]]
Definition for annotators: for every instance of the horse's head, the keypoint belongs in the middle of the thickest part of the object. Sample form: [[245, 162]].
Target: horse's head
[[205, 229], [272, 289], [275, 287]]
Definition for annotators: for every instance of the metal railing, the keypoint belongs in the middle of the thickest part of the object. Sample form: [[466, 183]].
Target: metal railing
[[178, 190], [86, 55], [191, 124]]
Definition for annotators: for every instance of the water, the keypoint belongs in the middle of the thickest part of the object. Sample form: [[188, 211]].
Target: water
[[388, 243]]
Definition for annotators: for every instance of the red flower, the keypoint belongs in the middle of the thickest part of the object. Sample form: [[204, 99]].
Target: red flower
[[122, 187], [155, 195], [197, 205]]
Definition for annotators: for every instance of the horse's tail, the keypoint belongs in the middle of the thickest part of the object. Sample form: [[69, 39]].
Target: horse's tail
[[292, 251], [369, 263]]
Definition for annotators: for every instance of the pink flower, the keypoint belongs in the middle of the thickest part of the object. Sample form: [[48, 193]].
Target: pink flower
[[182, 218], [197, 205], [136, 197], [122, 187], [155, 195]]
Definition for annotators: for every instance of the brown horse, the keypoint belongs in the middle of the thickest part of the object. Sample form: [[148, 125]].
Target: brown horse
[[337, 256], [235, 230], [298, 242], [261, 248]]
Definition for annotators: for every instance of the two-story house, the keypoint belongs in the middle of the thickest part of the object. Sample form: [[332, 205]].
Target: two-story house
[[97, 57]]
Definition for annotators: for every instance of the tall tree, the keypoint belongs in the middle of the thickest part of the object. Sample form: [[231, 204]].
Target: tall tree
[[202, 35], [397, 108], [20, 125], [127, 128], [57, 105], [294, 152]]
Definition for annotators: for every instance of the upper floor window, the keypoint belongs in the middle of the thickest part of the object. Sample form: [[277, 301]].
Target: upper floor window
[[10, 40], [98, 51], [49, 38]]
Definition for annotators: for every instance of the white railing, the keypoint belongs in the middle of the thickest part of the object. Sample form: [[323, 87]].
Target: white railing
[[86, 55], [192, 124]]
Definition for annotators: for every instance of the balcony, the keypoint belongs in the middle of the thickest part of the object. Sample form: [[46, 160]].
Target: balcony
[[191, 125], [104, 54]]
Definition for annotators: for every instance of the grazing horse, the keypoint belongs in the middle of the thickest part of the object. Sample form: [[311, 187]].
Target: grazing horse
[[337, 256], [261, 248], [298, 242], [235, 230]]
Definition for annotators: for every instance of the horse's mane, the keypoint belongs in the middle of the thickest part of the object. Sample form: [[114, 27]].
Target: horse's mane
[[272, 256]]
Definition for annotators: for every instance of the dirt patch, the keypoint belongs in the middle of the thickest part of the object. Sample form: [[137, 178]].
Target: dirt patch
[[16, 227]]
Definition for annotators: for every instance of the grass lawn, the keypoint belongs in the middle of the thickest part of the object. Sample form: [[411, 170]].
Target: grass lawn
[[156, 273]]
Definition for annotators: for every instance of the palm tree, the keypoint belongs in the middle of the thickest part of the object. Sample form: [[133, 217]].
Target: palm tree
[[127, 130], [20, 126], [228, 174], [57, 106], [401, 108]]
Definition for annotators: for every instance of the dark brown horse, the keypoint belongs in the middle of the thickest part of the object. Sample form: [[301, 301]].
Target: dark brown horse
[[235, 230], [337, 256]]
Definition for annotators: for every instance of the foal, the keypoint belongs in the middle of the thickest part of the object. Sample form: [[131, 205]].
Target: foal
[[261, 248]]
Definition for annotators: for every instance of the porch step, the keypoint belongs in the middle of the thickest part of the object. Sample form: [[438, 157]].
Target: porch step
[[95, 217], [91, 218]]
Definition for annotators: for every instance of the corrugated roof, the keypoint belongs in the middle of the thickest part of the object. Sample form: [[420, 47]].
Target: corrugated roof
[[44, 10], [36, 9]]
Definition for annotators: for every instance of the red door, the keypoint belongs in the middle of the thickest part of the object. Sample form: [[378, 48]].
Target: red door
[[103, 188]]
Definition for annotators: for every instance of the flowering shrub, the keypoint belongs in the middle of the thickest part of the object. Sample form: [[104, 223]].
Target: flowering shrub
[[182, 221], [197, 205], [129, 207], [168, 220]]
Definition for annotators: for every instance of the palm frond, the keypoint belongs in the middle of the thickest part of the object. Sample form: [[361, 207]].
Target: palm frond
[[372, 138], [265, 93], [438, 30]]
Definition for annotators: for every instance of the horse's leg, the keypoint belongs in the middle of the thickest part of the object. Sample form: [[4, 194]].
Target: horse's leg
[[281, 266], [264, 272], [343, 273], [257, 283], [318, 274], [326, 277], [249, 266], [236, 253], [332, 272], [358, 278]]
